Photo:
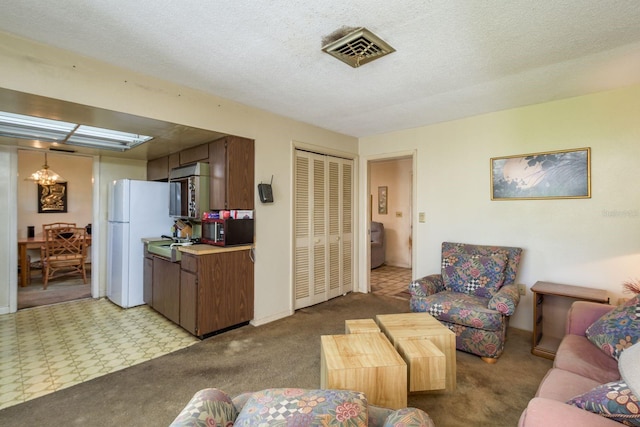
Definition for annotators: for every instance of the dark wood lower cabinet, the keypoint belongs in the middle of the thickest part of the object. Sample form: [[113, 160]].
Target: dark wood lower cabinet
[[166, 288], [216, 291], [202, 293]]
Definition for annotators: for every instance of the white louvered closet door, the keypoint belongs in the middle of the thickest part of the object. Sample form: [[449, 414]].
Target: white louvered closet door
[[323, 263]]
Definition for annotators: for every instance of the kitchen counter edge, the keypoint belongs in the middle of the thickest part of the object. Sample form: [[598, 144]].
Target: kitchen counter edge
[[202, 249]]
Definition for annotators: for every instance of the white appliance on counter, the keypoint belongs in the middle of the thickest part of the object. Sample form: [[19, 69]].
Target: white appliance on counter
[[137, 209]]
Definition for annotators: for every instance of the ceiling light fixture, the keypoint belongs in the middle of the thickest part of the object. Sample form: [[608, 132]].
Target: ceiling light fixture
[[358, 47], [45, 176], [47, 130]]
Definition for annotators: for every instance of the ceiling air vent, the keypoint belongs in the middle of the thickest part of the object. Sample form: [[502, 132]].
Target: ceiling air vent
[[358, 47]]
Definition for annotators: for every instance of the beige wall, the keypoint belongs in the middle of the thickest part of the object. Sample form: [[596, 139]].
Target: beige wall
[[396, 175], [590, 242], [34, 68], [593, 242], [76, 170]]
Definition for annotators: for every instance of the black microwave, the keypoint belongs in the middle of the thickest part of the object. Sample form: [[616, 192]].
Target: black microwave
[[227, 232]]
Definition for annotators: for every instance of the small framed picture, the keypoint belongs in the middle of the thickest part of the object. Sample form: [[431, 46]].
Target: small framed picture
[[52, 198], [382, 200]]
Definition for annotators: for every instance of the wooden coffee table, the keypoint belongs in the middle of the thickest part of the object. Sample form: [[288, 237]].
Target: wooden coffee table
[[364, 362], [421, 326]]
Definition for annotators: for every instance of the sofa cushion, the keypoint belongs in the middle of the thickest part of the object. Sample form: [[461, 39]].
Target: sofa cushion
[[551, 413], [513, 255], [562, 385], [479, 275], [302, 407], [613, 400], [628, 366], [576, 354], [462, 309], [617, 329]]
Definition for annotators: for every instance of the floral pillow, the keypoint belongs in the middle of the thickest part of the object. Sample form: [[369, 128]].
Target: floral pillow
[[617, 329], [477, 275], [302, 407], [612, 400]]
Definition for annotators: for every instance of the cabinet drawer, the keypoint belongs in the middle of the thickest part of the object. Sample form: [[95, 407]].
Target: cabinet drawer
[[189, 263]]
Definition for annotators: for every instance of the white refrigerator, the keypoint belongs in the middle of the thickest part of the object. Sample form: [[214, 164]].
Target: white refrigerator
[[137, 209]]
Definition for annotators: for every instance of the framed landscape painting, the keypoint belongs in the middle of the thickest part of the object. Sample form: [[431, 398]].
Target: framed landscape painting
[[564, 174]]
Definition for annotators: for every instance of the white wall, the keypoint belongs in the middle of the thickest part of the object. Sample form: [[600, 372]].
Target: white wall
[[396, 175], [46, 71], [589, 242]]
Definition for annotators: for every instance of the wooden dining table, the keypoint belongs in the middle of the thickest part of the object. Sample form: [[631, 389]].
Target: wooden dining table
[[31, 243]]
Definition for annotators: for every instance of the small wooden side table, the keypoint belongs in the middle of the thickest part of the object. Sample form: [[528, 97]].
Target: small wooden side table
[[551, 302], [360, 326], [367, 363]]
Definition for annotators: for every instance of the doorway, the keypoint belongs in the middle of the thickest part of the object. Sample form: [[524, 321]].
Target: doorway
[[77, 171], [391, 209]]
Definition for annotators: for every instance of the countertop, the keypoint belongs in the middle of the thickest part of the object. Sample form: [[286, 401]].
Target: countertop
[[201, 249]]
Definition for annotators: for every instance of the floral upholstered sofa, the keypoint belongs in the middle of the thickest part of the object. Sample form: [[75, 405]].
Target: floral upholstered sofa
[[293, 407], [473, 295]]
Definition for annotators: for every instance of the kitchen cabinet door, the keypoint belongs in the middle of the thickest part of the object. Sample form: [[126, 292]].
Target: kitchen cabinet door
[[198, 153], [189, 302], [231, 161], [158, 169], [225, 290], [166, 288]]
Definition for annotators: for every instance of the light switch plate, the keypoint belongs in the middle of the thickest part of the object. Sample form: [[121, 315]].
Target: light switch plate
[[421, 217]]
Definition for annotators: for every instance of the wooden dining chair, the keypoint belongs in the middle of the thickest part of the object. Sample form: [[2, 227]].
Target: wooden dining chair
[[51, 226], [56, 225], [64, 253]]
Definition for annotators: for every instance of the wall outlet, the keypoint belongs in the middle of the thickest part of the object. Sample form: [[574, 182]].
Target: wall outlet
[[522, 289]]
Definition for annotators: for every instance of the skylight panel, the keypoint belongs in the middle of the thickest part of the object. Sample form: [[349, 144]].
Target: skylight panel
[[27, 127]]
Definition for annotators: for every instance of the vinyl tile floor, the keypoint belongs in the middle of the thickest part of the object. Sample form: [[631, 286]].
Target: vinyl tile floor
[[48, 348], [391, 281]]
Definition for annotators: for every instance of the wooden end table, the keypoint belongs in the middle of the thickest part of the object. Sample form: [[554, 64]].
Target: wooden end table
[[551, 302]]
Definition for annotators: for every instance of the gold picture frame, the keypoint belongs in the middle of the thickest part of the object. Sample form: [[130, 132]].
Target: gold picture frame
[[562, 174], [52, 198]]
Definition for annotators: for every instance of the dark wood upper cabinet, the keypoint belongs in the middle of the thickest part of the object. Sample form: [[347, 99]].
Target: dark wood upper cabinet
[[158, 169], [199, 153], [231, 164]]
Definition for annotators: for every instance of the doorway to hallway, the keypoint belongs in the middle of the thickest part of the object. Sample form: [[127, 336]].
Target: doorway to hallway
[[391, 204]]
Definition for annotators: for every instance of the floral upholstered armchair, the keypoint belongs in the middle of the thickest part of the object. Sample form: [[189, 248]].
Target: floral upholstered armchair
[[293, 407], [473, 296]]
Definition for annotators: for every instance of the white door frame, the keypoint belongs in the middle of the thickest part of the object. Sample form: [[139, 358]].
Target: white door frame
[[365, 214]]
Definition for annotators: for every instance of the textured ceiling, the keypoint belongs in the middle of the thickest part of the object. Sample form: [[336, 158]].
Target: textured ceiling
[[454, 58]]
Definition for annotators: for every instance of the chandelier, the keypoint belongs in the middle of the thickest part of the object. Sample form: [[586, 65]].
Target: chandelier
[[45, 176]]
